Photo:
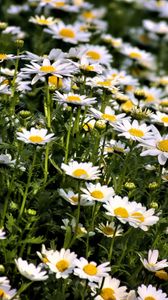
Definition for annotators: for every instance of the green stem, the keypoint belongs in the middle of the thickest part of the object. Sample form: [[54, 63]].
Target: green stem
[[68, 138], [21, 290], [46, 163], [27, 185], [78, 215], [13, 103], [112, 245]]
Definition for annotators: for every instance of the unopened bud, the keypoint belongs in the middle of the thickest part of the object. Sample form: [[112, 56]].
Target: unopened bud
[[100, 124], [25, 114], [2, 269], [154, 205], [19, 43], [13, 205], [140, 94], [31, 212], [3, 25], [130, 186], [153, 185]]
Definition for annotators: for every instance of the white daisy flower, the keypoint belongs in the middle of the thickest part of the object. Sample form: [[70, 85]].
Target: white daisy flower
[[6, 293], [152, 264], [157, 146], [43, 255], [43, 21], [95, 54], [134, 131], [90, 15], [68, 33], [2, 234], [110, 289], [30, 271], [75, 99], [158, 28], [109, 229], [35, 136], [90, 270], [115, 146], [118, 207], [142, 57], [114, 42], [4, 56], [63, 5], [108, 115], [62, 262], [161, 118], [84, 171], [151, 293], [59, 68], [81, 230], [97, 192], [85, 65], [140, 217], [103, 82], [73, 198], [6, 159]]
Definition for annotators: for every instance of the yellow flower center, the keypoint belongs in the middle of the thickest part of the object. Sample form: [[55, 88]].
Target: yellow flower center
[[36, 139], [163, 145], [149, 298], [67, 33], [137, 215], [90, 269], [56, 81], [129, 88], [149, 97], [88, 68], [135, 55], [45, 260], [104, 83], [116, 43], [5, 81], [47, 69], [62, 265], [107, 294], [80, 173], [127, 106], [164, 119], [163, 81], [136, 132], [3, 56], [88, 15], [97, 194], [44, 21], [93, 55], [75, 199], [108, 117], [108, 230], [121, 212], [164, 103], [162, 274], [59, 4], [118, 149], [73, 98]]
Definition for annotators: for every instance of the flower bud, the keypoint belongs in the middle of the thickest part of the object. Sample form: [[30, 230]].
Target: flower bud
[[100, 124], [130, 186], [19, 43], [153, 185], [154, 205]]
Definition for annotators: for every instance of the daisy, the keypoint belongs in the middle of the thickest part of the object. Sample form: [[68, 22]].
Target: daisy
[[59, 68], [108, 115], [62, 262], [96, 54], [68, 33], [142, 57], [2, 234], [42, 20], [115, 146], [87, 66], [134, 131], [73, 198], [118, 207], [74, 99], [140, 217], [35, 136], [97, 192], [90, 270], [81, 230], [84, 171], [157, 146], [114, 42], [4, 56], [161, 118], [152, 95], [109, 289], [6, 293], [151, 293], [158, 28], [90, 15], [43, 255], [63, 5], [88, 124], [109, 229], [103, 82], [30, 271], [152, 264]]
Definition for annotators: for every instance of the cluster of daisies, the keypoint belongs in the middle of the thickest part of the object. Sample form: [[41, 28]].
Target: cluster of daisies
[[98, 98]]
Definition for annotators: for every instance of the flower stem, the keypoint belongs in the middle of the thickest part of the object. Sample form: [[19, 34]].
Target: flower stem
[[22, 289], [46, 163], [68, 138], [27, 185], [112, 245]]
